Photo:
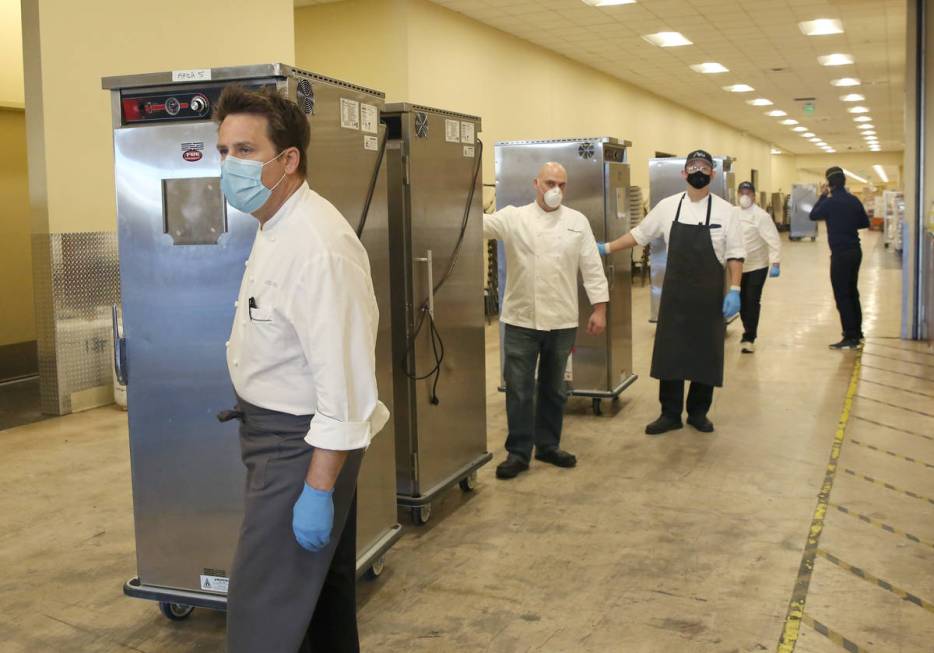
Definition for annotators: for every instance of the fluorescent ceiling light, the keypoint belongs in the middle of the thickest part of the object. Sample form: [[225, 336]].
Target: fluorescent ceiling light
[[800, 128], [789, 121], [608, 3], [875, 148], [862, 119], [859, 109], [880, 172], [850, 173], [816, 139], [738, 88], [821, 143], [775, 150], [846, 81], [821, 27], [852, 97], [709, 68], [808, 134], [667, 39], [865, 126], [759, 102], [775, 113], [835, 59], [830, 150]]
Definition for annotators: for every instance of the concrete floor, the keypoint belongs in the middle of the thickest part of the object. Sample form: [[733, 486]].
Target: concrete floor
[[685, 542]]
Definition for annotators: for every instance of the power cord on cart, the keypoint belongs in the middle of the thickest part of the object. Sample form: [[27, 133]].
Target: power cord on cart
[[425, 315], [371, 189]]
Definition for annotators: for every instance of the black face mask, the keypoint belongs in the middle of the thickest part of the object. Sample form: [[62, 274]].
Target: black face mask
[[698, 179]]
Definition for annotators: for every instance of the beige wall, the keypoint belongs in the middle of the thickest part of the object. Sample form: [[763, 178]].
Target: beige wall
[[11, 55], [80, 42], [520, 90], [18, 322]]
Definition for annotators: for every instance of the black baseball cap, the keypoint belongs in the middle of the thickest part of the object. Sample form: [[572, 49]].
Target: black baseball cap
[[699, 155], [835, 170], [747, 185]]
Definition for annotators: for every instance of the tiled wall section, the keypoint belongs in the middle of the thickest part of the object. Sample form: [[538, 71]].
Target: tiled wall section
[[77, 280]]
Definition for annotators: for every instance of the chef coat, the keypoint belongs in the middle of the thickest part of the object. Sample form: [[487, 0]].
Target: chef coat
[[304, 336], [763, 244]]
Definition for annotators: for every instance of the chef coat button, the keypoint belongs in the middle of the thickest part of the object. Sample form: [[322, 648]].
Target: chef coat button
[[246, 263], [236, 363], [227, 344], [236, 303]]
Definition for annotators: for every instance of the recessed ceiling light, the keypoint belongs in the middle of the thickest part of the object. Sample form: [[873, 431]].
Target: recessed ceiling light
[[816, 139], [872, 139], [608, 3], [808, 134], [835, 59], [709, 68], [789, 121], [865, 126], [846, 81], [880, 172], [738, 88], [821, 27], [862, 119], [875, 149], [667, 39], [759, 102], [776, 113], [859, 109], [799, 128], [775, 150], [830, 150], [852, 97]]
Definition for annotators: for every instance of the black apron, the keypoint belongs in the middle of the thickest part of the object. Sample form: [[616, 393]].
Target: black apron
[[691, 329]]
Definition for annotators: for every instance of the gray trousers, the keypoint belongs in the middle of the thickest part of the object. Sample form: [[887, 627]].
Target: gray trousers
[[275, 583]]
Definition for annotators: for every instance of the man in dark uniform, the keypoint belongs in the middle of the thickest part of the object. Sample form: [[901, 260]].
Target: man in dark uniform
[[704, 236], [845, 216]]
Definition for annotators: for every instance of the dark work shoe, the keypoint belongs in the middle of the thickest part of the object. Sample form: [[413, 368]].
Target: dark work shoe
[[557, 457], [664, 424], [511, 467], [701, 423], [846, 344]]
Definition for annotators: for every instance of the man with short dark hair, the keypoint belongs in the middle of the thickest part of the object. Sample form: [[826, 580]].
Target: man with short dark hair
[[845, 216], [301, 357]]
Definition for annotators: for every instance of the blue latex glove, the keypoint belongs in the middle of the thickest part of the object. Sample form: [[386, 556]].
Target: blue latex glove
[[775, 271], [731, 304], [313, 518], [601, 247]]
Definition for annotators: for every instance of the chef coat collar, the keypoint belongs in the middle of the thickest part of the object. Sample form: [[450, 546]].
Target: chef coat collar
[[285, 209]]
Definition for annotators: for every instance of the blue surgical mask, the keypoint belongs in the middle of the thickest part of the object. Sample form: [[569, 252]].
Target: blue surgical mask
[[242, 183]]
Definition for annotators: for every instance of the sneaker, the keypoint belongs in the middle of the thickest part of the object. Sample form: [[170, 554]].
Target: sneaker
[[557, 457], [701, 423], [747, 347], [511, 467], [846, 344], [664, 424]]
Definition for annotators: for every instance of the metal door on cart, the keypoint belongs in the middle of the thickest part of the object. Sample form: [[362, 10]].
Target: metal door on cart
[[802, 200]]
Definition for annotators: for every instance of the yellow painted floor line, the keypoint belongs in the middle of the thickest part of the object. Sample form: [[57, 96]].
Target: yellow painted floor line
[[889, 486], [878, 582], [834, 636], [909, 459], [882, 525]]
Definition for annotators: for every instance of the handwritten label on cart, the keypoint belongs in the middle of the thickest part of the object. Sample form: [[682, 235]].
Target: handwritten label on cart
[[452, 131], [350, 114], [194, 75]]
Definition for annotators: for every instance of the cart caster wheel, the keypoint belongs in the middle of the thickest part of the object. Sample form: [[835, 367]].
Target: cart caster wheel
[[176, 611], [376, 569], [597, 407], [469, 483], [421, 514], [813, 238]]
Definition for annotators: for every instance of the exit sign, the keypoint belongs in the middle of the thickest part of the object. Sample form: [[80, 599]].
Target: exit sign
[[808, 108]]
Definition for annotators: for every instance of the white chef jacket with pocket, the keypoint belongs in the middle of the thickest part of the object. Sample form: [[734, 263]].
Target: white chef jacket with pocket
[[763, 244], [544, 252], [304, 336], [726, 231]]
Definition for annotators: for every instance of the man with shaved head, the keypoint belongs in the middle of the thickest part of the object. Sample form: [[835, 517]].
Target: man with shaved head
[[546, 244]]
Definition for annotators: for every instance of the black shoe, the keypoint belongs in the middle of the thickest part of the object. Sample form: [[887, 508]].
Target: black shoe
[[664, 424], [846, 344], [511, 467], [557, 457], [701, 423]]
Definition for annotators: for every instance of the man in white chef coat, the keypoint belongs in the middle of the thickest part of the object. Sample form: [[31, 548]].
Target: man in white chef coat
[[546, 245], [301, 358]]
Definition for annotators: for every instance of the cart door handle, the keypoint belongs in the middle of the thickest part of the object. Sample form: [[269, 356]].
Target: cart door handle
[[431, 281], [119, 349]]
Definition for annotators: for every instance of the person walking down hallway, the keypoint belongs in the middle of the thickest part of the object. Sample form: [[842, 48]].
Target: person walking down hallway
[[763, 248], [703, 234], [546, 244], [845, 216]]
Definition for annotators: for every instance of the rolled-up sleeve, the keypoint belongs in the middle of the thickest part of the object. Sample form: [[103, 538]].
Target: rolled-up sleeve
[[335, 317], [591, 267], [769, 234], [651, 226]]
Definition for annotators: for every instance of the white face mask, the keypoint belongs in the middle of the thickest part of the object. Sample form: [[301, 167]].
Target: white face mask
[[553, 198], [745, 201]]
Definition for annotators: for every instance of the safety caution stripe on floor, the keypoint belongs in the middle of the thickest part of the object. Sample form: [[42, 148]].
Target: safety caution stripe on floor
[[833, 636], [882, 525], [910, 351], [878, 582], [893, 428], [897, 387], [791, 629], [898, 360], [911, 376], [909, 459], [889, 486], [889, 403]]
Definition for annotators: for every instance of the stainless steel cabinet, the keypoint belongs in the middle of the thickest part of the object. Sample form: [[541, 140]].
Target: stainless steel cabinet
[[802, 199]]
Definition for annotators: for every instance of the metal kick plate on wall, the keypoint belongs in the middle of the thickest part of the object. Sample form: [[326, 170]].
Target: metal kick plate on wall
[[194, 211]]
